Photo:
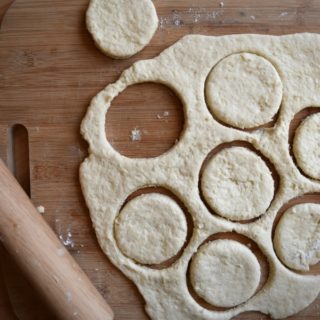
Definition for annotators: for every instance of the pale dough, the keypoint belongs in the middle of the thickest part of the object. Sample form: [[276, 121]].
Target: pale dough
[[297, 237], [121, 28], [237, 184], [306, 146], [225, 273], [244, 90], [108, 178], [151, 228]]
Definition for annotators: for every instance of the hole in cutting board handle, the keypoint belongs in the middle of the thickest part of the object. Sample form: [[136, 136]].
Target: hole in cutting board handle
[[18, 155]]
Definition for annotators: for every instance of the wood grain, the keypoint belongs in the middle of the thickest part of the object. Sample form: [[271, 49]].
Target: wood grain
[[42, 257], [49, 71]]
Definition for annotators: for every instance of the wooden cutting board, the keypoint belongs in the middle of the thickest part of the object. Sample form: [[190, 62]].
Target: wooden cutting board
[[49, 71]]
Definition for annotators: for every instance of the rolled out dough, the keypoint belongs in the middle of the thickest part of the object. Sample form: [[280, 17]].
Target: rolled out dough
[[237, 184], [108, 178], [121, 28], [225, 273]]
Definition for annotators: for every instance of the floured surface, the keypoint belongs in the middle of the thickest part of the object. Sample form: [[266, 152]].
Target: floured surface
[[107, 178]]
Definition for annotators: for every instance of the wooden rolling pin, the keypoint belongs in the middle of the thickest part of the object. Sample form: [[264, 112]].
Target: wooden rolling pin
[[45, 261]]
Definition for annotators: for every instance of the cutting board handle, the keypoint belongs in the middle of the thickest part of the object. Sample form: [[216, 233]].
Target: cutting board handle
[[28, 238]]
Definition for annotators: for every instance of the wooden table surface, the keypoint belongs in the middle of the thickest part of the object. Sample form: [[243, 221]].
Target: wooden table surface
[[49, 71]]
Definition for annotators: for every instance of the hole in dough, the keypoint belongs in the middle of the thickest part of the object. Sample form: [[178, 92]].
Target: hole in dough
[[151, 228], [244, 91], [225, 273], [237, 184], [145, 120], [121, 28], [306, 146], [297, 236]]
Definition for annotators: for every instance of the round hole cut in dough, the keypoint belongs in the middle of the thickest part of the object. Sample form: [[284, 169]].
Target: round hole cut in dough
[[121, 28], [225, 273], [306, 146], [297, 236], [244, 90], [151, 228], [237, 184]]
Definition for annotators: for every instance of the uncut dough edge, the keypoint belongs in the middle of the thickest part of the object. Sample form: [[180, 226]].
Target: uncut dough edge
[[107, 178]]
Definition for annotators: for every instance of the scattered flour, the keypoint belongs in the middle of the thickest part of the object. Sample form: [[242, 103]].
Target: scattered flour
[[283, 14], [135, 134], [41, 209], [176, 18], [61, 251], [165, 114], [69, 296], [56, 279], [163, 22], [190, 16], [67, 240]]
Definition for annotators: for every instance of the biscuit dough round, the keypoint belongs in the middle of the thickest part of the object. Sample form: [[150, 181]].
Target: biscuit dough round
[[237, 184], [306, 146], [244, 90], [151, 228], [297, 236], [121, 28], [225, 273]]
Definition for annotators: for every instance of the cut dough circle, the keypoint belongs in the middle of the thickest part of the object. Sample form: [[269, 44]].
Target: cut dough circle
[[151, 228], [297, 236], [121, 28], [225, 273], [306, 146], [237, 184], [244, 90]]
